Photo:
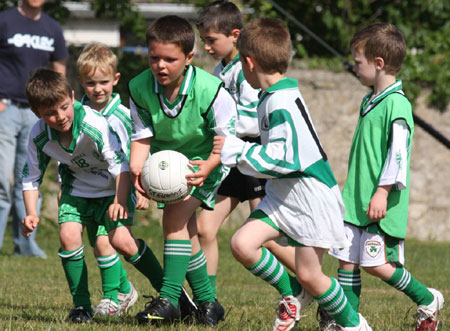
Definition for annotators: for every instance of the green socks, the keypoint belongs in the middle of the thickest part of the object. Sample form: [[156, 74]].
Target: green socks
[[77, 276], [271, 271], [198, 279], [337, 306], [213, 282], [350, 282], [177, 254], [110, 272], [403, 281], [147, 263]]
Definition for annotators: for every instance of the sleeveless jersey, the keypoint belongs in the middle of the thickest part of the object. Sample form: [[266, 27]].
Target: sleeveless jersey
[[370, 146], [88, 167]]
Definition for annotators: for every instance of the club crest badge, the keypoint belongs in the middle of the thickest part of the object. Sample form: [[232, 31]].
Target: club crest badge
[[373, 248]]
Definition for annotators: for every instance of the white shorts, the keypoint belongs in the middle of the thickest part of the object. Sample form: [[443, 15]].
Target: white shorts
[[370, 249], [306, 210]]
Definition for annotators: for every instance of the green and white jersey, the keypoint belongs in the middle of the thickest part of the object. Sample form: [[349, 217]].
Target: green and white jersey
[[119, 117], [188, 125], [88, 167], [370, 150], [245, 96], [290, 146]]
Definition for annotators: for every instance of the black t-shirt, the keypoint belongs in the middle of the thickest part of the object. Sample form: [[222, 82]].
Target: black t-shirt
[[25, 45]]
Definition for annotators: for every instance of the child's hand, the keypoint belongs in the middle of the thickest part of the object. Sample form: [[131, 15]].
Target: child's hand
[[197, 178], [29, 223], [218, 144], [117, 210], [142, 201], [378, 205], [137, 184]]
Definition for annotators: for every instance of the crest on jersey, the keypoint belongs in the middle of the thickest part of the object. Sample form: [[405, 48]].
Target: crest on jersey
[[265, 123], [373, 248]]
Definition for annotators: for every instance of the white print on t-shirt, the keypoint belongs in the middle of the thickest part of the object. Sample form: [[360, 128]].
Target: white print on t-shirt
[[37, 42]]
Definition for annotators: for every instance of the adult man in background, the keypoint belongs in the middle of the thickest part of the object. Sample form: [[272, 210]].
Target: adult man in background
[[28, 39]]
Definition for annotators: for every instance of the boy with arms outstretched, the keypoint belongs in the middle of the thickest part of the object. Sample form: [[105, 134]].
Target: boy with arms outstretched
[[177, 106], [219, 25], [376, 192], [302, 201], [95, 183]]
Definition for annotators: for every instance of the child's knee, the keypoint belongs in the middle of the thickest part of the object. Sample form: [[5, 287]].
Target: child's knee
[[70, 240]]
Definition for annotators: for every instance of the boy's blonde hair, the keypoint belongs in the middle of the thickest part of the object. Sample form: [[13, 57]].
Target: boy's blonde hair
[[222, 16], [381, 40], [46, 88], [268, 41], [97, 56], [172, 29]]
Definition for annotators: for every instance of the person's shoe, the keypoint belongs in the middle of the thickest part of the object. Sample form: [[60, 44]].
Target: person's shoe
[[210, 313], [362, 326], [188, 309], [126, 300], [304, 299], [326, 322], [107, 307], [80, 315], [427, 316], [159, 310], [288, 314]]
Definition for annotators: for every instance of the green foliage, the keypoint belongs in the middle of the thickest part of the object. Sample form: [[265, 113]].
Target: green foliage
[[426, 25]]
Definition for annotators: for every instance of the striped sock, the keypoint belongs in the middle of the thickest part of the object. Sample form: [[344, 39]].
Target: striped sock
[[403, 281], [124, 286], [197, 277], [110, 271], [213, 281], [336, 304], [271, 271], [351, 284], [77, 276], [177, 254]]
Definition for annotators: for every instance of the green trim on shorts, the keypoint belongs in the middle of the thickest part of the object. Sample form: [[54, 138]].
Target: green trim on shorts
[[391, 244], [263, 217]]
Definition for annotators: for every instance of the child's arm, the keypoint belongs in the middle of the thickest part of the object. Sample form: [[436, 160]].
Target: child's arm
[[30, 222], [378, 204], [139, 151], [119, 209], [204, 169]]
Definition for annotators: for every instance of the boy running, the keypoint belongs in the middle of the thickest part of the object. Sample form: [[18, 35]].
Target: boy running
[[302, 201], [177, 106], [376, 192]]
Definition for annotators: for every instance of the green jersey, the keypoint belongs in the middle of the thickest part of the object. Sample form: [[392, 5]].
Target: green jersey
[[369, 151]]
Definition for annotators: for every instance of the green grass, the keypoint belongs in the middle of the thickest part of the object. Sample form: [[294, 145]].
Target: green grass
[[34, 293]]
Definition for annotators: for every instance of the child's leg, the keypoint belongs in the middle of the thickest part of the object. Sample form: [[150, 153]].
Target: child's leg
[[326, 291], [349, 277], [208, 224], [72, 258]]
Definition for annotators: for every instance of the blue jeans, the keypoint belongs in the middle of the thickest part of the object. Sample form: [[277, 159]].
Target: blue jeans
[[15, 127]]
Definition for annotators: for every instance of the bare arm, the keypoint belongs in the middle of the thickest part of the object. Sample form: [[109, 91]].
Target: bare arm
[[119, 209], [139, 151], [30, 222]]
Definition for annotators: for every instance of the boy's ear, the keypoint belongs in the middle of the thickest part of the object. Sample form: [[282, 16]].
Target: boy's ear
[[116, 78], [189, 57], [250, 62], [72, 97], [379, 63], [235, 33]]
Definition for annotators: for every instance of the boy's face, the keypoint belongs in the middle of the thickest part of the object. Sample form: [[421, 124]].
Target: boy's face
[[365, 70], [98, 87], [60, 115], [218, 45], [168, 63]]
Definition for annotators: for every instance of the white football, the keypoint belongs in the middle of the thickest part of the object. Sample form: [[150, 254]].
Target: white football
[[163, 176]]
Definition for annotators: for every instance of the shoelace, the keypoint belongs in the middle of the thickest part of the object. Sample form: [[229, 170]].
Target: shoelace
[[153, 301], [284, 304]]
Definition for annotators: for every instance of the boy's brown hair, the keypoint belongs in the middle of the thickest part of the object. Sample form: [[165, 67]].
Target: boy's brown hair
[[381, 40], [268, 41], [221, 16], [97, 56], [172, 29], [46, 88]]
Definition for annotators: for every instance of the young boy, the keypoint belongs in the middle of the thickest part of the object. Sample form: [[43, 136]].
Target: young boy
[[219, 25], [97, 73], [302, 201], [177, 106], [376, 192], [95, 184]]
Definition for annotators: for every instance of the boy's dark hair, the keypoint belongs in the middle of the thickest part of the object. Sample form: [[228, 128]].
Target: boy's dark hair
[[46, 88], [221, 16], [172, 29], [268, 41], [381, 40]]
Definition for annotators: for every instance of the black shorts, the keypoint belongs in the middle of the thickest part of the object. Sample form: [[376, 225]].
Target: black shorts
[[242, 187]]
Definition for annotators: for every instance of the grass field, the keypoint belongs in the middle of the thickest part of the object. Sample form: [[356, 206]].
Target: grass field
[[34, 293]]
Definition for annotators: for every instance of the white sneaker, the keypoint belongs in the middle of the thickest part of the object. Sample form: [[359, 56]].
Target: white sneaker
[[362, 326], [107, 307], [126, 300], [427, 316], [304, 299], [288, 314]]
